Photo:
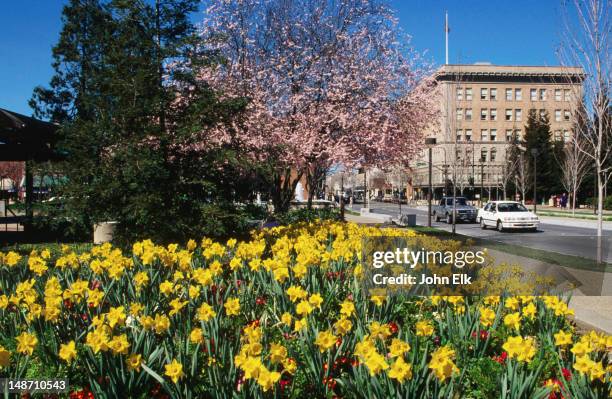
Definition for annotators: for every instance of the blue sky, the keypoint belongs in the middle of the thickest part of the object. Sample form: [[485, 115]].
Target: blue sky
[[504, 32]]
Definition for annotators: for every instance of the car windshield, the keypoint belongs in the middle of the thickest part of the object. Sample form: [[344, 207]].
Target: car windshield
[[511, 207], [460, 201]]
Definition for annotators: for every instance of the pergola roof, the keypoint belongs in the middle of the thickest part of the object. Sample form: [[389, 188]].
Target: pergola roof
[[24, 138]]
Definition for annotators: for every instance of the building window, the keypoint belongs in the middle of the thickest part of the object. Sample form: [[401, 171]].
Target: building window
[[566, 116], [468, 114], [508, 134], [533, 94], [459, 94], [508, 114], [483, 154], [484, 135], [493, 94], [458, 154], [493, 134], [493, 154], [483, 94], [483, 114], [557, 94], [493, 114], [459, 134], [459, 114], [566, 95], [557, 115], [517, 134], [566, 135], [468, 93], [508, 94], [468, 135], [518, 94], [557, 135], [518, 115], [542, 113], [542, 94]]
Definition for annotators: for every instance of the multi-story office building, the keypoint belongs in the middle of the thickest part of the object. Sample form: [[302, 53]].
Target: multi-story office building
[[483, 107]]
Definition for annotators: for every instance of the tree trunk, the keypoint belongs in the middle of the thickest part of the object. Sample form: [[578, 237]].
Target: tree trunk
[[600, 200], [283, 190]]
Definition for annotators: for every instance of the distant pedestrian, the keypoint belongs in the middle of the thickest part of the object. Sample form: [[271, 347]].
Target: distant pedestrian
[[564, 200]]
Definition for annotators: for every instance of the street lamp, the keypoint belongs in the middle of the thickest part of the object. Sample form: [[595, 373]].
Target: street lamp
[[429, 142], [482, 162], [534, 152], [342, 196]]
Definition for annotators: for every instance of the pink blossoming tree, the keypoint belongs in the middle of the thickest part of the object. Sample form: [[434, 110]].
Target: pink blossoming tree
[[326, 82]]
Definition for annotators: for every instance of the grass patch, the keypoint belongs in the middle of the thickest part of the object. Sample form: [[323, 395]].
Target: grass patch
[[552, 258], [25, 249], [576, 216]]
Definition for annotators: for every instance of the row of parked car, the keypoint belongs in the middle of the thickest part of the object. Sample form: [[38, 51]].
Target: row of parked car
[[501, 215]]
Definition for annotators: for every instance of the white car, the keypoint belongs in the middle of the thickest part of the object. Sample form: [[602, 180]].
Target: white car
[[507, 215]]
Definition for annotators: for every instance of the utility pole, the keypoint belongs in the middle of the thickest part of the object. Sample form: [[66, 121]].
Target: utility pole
[[365, 189], [454, 203], [430, 142], [482, 161], [342, 196], [534, 152]]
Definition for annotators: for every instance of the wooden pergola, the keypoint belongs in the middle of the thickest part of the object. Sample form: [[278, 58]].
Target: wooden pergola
[[23, 138]]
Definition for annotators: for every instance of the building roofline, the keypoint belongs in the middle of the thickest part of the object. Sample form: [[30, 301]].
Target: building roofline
[[509, 70]]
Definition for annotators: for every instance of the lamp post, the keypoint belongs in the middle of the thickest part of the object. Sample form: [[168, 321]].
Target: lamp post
[[534, 152], [342, 196], [482, 162], [429, 142], [473, 174]]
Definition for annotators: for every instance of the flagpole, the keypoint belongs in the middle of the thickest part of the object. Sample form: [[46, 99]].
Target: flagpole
[[446, 35]]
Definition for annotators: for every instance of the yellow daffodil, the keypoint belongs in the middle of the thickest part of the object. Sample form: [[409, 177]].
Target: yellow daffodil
[[133, 362], [442, 364], [232, 307], [26, 343], [68, 352], [325, 340], [174, 370], [398, 347], [424, 328], [513, 320], [519, 348], [563, 338], [400, 370]]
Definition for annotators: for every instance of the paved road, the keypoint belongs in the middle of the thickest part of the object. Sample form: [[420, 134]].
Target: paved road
[[555, 236]]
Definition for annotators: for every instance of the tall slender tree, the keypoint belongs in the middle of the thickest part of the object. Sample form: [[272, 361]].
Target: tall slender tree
[[587, 43], [538, 137]]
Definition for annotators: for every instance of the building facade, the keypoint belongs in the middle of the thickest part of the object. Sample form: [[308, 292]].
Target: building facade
[[483, 107]]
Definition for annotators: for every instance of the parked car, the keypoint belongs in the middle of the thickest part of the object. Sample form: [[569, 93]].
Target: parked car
[[444, 210], [507, 215]]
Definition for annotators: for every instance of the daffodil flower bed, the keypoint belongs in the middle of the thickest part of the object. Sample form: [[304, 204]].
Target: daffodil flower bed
[[282, 315]]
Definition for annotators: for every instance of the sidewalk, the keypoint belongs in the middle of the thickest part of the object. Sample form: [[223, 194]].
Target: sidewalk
[[593, 312], [361, 219], [579, 211], [574, 222]]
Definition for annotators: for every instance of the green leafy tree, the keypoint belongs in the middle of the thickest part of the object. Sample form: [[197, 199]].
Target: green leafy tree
[[128, 123], [538, 137]]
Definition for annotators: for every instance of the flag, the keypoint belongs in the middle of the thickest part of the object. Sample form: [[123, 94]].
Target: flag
[[446, 27]]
